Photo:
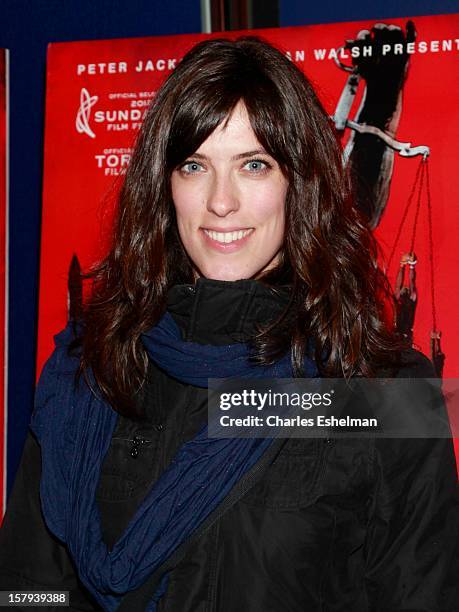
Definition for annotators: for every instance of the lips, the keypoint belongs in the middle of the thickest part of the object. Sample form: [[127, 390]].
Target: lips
[[227, 241], [227, 237]]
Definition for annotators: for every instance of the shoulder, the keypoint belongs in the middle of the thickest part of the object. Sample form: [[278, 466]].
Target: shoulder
[[56, 385], [410, 363], [65, 357], [416, 391], [414, 364], [421, 412]]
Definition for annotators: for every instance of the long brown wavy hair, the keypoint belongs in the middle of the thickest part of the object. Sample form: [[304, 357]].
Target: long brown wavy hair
[[339, 296]]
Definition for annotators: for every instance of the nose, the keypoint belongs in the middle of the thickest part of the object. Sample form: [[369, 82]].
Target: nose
[[222, 197]]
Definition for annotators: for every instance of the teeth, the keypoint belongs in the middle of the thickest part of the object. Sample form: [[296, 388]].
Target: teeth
[[227, 237]]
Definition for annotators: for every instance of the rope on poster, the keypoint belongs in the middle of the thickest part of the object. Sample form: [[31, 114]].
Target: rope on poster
[[406, 294]]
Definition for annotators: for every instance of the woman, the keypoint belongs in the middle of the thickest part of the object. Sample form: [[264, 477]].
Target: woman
[[236, 252]]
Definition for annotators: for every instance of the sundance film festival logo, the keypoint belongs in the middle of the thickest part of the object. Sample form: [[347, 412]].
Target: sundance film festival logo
[[84, 113], [115, 120]]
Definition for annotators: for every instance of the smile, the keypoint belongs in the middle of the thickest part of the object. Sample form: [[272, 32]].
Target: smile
[[228, 237]]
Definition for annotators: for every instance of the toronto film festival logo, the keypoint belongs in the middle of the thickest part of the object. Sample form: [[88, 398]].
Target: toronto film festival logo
[[84, 113]]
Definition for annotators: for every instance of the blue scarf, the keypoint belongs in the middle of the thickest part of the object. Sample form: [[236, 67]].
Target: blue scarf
[[75, 428], [195, 363]]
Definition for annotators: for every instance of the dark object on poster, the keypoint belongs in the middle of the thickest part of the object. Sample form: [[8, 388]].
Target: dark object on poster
[[75, 290]]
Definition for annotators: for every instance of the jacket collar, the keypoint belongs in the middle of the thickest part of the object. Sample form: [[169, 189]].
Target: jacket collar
[[223, 312]]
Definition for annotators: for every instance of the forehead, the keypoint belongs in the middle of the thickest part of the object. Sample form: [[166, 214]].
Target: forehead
[[234, 133]]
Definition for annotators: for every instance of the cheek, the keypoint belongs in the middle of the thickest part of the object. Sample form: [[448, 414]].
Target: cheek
[[269, 203], [186, 204]]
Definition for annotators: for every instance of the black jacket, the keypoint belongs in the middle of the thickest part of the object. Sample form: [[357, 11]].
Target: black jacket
[[332, 525]]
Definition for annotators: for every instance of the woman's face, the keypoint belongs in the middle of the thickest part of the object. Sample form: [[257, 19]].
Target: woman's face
[[230, 203]]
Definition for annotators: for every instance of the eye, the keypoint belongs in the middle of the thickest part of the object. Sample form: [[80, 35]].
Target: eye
[[257, 166], [191, 167]]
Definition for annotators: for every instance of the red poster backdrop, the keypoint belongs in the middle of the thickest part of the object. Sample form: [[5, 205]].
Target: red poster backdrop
[[3, 268], [97, 92]]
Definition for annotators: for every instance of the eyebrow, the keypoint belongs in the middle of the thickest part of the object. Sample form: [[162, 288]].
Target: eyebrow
[[235, 157]]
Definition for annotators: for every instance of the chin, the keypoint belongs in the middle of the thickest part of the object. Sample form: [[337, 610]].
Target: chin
[[234, 274]]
